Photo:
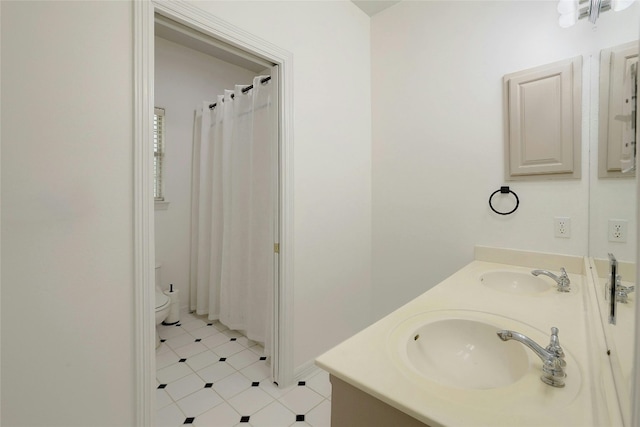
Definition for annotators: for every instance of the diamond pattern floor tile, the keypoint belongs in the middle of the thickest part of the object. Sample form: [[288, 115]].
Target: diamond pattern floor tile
[[215, 340], [169, 416], [301, 399], [250, 401], [193, 325], [179, 340], [320, 416], [202, 360], [228, 349], [162, 399], [232, 385], [200, 402], [220, 379], [170, 331], [173, 372], [257, 371], [216, 372], [184, 386], [274, 390], [221, 416], [190, 349], [165, 359], [204, 332], [243, 359], [320, 383], [275, 414]]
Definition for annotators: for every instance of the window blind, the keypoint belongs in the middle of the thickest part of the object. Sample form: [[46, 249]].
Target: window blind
[[158, 153]]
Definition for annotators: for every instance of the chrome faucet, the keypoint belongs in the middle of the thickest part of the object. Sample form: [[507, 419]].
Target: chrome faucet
[[552, 357], [562, 280], [622, 291]]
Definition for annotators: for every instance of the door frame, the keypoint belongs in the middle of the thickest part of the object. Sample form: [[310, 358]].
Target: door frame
[[144, 250]]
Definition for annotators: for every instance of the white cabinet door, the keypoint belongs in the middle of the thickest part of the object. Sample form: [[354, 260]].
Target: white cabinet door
[[543, 117], [615, 110]]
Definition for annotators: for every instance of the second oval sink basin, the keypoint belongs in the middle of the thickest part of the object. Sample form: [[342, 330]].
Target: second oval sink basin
[[466, 354], [515, 282]]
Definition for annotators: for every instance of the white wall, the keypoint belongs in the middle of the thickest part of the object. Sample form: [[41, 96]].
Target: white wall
[[437, 71], [67, 212], [184, 78], [332, 153], [67, 236]]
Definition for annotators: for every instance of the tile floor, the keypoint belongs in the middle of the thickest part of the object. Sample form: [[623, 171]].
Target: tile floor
[[208, 375]]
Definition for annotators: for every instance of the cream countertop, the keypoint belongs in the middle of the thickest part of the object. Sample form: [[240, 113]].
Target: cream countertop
[[370, 360]]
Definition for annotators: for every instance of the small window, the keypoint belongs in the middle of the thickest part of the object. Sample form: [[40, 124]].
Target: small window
[[158, 154]]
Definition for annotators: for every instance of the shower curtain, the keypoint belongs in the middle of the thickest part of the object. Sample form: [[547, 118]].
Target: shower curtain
[[233, 210]]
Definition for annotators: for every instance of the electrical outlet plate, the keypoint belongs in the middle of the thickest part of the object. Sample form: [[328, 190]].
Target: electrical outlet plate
[[618, 230], [562, 227]]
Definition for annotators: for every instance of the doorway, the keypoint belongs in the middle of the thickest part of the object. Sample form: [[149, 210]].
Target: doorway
[[216, 183], [193, 26]]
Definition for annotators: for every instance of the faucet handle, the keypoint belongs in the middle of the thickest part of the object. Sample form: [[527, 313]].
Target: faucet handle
[[554, 345], [564, 282], [553, 368], [622, 293]]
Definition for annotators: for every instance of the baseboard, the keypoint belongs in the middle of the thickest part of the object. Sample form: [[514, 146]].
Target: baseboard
[[305, 370]]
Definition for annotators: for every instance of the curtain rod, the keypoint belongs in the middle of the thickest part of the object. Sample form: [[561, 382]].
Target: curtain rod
[[244, 90]]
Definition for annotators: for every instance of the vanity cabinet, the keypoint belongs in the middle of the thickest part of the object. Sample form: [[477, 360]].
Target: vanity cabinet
[[352, 407], [543, 119]]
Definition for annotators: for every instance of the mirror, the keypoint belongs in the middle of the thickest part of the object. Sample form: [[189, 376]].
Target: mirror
[[612, 221], [619, 337], [612, 207]]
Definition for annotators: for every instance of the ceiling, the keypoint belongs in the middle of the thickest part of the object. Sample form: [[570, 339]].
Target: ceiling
[[371, 7]]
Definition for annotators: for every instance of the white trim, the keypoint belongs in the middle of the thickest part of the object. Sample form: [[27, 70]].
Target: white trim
[[190, 38], [191, 16], [0, 200], [143, 212], [635, 373]]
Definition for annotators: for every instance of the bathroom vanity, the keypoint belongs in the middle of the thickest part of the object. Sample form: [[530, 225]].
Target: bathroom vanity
[[438, 360]]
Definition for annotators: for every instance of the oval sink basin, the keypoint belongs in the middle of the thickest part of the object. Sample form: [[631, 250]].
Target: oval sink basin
[[465, 353], [514, 282], [457, 354]]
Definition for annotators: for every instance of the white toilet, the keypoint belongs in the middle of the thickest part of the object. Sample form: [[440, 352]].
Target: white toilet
[[163, 304]]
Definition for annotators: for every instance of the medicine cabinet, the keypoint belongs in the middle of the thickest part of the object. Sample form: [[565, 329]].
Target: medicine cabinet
[[543, 119], [618, 69]]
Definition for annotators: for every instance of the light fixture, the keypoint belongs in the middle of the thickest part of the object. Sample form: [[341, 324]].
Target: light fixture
[[572, 10]]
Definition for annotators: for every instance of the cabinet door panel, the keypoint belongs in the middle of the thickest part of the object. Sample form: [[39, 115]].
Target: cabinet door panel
[[543, 121], [615, 70]]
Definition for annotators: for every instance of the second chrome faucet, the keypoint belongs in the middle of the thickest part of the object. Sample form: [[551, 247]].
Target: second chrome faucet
[[562, 281]]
